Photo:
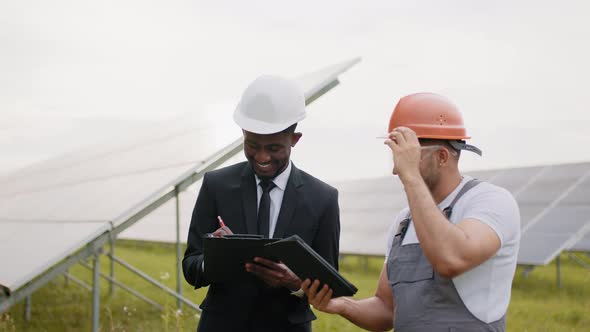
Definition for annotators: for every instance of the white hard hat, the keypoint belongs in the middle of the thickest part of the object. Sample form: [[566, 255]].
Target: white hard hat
[[269, 105]]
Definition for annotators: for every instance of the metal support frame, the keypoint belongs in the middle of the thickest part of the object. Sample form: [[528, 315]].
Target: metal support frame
[[578, 260], [66, 280], [558, 271], [156, 283], [78, 281], [112, 264], [96, 292], [126, 288], [527, 269], [178, 252], [365, 263], [28, 308]]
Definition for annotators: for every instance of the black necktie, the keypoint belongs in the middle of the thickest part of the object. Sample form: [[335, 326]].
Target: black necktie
[[264, 208]]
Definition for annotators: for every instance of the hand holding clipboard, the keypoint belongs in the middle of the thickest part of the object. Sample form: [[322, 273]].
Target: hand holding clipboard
[[235, 251]]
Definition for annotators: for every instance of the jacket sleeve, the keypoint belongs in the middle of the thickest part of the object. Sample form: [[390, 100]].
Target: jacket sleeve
[[327, 239], [202, 222]]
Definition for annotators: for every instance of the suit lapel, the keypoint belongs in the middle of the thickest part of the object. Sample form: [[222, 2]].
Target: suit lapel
[[289, 202], [249, 199]]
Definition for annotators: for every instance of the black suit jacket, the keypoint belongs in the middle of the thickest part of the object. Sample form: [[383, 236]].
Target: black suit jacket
[[309, 209]]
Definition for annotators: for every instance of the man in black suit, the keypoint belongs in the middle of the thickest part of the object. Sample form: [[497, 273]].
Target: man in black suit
[[265, 195]]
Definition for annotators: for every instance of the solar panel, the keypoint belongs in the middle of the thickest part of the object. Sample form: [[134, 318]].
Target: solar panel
[[537, 248], [367, 208], [582, 245], [554, 209], [365, 231], [547, 188], [515, 180], [160, 224], [28, 248], [554, 204], [88, 199], [529, 211], [563, 216], [552, 233]]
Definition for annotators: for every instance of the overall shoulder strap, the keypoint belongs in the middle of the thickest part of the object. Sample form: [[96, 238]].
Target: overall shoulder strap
[[404, 225], [470, 184]]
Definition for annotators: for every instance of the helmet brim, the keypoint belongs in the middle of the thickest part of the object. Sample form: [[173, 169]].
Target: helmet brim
[[262, 127]]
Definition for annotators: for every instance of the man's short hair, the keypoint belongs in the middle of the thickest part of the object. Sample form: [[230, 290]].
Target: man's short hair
[[290, 129]]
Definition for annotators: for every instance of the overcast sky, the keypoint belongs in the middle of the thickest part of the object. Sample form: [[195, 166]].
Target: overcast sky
[[74, 73]]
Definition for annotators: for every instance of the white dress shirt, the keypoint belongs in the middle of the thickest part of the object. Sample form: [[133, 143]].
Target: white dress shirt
[[276, 197]]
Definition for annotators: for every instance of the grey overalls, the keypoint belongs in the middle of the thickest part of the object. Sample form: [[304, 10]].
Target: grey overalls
[[424, 300]]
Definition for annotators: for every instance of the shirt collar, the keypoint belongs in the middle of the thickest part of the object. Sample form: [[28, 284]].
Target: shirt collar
[[280, 180]]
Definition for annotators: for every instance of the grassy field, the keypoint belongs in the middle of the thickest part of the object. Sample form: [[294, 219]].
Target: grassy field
[[537, 303]]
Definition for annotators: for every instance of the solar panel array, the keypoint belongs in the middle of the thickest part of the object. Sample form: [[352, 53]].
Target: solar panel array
[[554, 204]]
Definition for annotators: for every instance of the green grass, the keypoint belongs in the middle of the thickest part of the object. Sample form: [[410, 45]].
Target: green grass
[[537, 303]]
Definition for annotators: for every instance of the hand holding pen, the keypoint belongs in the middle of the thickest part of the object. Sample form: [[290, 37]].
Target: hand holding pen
[[222, 230]]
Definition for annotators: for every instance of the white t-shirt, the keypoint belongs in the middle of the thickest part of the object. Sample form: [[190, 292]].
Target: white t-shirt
[[485, 289]]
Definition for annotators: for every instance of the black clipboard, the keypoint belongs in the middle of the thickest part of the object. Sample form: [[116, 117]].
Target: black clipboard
[[308, 264], [225, 258]]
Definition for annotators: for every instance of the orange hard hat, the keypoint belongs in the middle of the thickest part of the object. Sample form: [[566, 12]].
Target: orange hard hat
[[431, 116]]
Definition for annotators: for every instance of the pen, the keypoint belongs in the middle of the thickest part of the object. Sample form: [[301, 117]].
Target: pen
[[221, 223]]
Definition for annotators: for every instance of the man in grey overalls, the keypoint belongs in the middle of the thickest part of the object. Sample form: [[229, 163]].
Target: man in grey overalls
[[452, 253]]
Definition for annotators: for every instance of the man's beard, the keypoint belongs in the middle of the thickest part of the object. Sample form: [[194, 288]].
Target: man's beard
[[431, 177]]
